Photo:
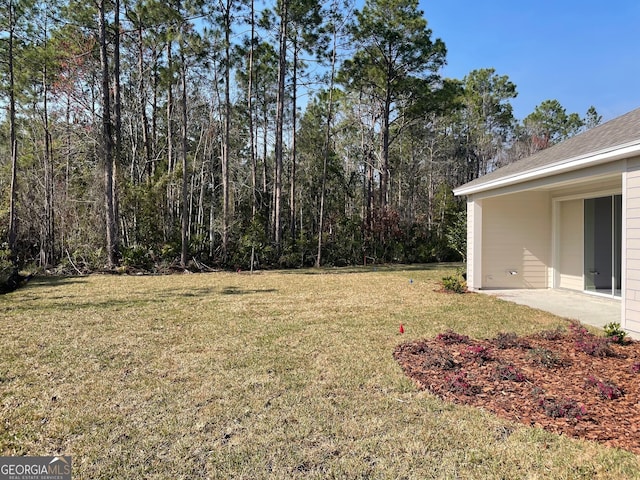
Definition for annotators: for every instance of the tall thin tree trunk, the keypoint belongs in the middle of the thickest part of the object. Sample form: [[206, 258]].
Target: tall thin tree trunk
[[227, 129], [47, 255], [185, 169], [282, 67], [117, 111], [294, 94], [252, 134], [325, 156], [194, 184], [108, 146], [265, 138], [154, 111], [67, 171], [142, 98], [384, 152], [13, 229], [252, 142], [170, 164], [212, 215], [265, 204], [200, 215]]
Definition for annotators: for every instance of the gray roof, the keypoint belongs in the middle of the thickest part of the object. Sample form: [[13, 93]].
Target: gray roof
[[616, 133]]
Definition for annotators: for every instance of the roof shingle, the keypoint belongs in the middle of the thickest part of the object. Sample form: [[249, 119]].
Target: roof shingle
[[620, 131]]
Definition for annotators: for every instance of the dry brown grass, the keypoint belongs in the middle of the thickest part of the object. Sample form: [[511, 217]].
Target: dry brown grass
[[273, 375]]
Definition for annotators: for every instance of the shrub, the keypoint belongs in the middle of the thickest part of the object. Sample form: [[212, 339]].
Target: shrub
[[459, 383], [137, 257], [506, 371], [509, 340], [478, 353], [607, 390], [578, 330], [545, 358], [170, 251], [565, 408], [7, 267], [290, 260], [418, 348], [442, 360], [456, 234], [588, 343], [552, 335], [454, 283], [450, 338], [595, 346], [615, 332], [5, 257]]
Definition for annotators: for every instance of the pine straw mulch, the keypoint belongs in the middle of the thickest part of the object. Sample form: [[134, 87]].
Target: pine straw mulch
[[565, 381]]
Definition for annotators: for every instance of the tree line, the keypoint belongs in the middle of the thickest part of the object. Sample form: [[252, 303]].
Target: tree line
[[150, 134]]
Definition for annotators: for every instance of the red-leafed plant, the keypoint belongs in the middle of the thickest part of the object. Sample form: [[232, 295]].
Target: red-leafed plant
[[478, 353], [459, 383], [506, 371], [590, 344], [607, 390], [450, 338], [565, 408]]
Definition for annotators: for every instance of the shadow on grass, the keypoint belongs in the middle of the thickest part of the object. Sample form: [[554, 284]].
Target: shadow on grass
[[373, 268], [54, 281], [114, 305], [66, 304], [242, 291], [194, 292]]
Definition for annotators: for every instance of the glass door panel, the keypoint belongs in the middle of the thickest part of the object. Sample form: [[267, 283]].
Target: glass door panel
[[617, 245], [602, 245]]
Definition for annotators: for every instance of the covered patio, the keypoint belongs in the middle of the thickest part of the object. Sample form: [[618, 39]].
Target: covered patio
[[589, 309], [565, 222]]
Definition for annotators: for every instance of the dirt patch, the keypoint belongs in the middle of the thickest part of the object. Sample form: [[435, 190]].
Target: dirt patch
[[565, 381]]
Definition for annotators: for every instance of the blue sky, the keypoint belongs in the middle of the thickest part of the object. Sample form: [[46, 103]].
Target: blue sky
[[581, 53]]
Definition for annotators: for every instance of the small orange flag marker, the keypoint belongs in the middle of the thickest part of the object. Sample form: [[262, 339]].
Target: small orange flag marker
[[401, 329]]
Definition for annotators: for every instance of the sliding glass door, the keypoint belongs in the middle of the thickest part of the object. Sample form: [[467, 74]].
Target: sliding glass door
[[603, 245]]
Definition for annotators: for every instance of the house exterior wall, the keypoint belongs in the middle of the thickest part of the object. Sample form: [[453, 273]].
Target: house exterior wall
[[516, 240], [571, 245], [474, 244], [532, 222], [631, 247]]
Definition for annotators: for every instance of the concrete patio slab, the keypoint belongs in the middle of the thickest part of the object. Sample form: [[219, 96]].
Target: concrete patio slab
[[589, 309]]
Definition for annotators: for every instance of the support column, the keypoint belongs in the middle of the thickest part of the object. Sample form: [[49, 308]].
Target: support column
[[474, 243]]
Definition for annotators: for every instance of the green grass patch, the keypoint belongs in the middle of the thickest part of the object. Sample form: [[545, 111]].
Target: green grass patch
[[271, 375]]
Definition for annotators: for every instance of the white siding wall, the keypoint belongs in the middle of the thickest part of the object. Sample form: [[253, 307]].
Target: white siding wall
[[470, 232], [516, 237], [631, 249], [571, 245], [474, 244]]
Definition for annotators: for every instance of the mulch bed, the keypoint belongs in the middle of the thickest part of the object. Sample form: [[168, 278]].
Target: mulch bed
[[565, 381]]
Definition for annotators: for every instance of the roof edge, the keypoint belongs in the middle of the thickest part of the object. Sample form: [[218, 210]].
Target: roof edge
[[618, 152]]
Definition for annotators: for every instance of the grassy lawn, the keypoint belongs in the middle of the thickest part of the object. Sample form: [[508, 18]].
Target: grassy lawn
[[271, 375]]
